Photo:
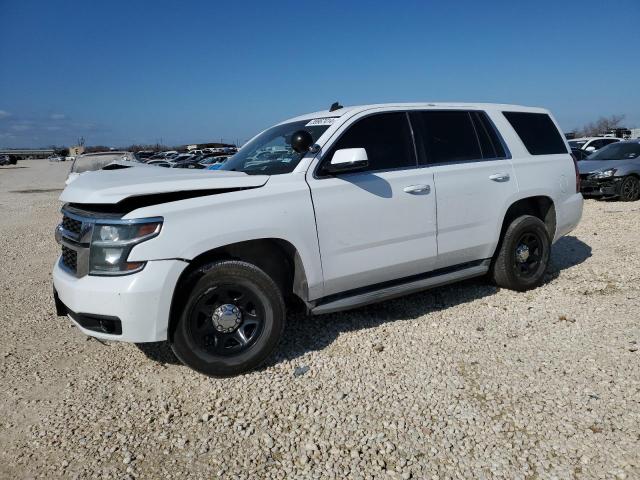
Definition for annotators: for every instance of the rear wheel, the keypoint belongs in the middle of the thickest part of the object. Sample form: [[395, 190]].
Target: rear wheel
[[523, 256], [231, 321], [630, 189]]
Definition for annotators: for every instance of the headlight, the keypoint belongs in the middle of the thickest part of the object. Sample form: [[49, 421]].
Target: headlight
[[609, 172], [112, 243]]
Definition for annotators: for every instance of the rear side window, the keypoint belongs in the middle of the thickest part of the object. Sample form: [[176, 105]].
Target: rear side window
[[537, 131], [445, 136], [489, 141], [386, 137]]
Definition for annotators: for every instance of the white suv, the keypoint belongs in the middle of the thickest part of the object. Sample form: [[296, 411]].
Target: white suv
[[336, 209]]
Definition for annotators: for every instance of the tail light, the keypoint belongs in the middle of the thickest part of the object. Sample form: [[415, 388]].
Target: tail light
[[575, 166]]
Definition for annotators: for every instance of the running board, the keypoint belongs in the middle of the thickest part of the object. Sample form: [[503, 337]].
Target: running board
[[373, 295]]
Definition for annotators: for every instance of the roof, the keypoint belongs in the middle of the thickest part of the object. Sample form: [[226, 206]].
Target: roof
[[591, 138], [426, 105]]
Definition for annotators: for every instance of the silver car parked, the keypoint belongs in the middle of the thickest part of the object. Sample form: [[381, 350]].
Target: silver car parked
[[612, 172]]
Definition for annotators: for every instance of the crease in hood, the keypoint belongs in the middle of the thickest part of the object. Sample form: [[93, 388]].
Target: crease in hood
[[113, 186]]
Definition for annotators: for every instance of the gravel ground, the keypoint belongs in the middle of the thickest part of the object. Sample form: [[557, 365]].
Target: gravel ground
[[466, 381]]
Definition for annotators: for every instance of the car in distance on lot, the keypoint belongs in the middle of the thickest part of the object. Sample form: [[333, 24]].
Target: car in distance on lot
[[342, 216], [592, 144], [613, 172], [7, 160], [160, 163]]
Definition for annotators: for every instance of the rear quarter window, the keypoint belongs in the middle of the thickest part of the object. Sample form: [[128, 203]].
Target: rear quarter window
[[538, 132]]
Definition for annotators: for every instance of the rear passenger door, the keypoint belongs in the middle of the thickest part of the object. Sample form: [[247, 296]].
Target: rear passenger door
[[473, 179], [378, 224]]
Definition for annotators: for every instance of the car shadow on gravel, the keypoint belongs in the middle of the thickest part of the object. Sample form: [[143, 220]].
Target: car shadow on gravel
[[305, 333], [309, 333]]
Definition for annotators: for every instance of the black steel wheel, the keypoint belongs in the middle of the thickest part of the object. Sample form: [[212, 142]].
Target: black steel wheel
[[227, 319], [527, 254], [630, 189], [523, 254], [231, 321]]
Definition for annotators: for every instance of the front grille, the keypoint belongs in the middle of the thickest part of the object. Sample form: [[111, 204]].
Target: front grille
[[70, 258], [71, 225]]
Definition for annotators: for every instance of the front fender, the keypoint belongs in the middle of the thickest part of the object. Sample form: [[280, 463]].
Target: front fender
[[282, 209]]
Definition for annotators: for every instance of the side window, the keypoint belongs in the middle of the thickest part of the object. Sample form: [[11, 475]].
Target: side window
[[445, 136], [608, 142], [537, 131], [385, 136], [490, 142]]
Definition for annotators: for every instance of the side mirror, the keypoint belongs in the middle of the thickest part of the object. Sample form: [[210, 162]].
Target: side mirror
[[301, 140], [348, 160], [590, 149]]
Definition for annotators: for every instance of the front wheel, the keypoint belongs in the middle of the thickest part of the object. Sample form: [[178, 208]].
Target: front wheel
[[523, 255], [232, 320], [630, 189]]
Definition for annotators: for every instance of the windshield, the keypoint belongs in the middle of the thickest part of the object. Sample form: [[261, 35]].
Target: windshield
[[270, 153], [617, 151], [577, 143]]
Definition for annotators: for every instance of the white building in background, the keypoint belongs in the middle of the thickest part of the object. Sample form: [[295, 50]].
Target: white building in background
[[635, 132]]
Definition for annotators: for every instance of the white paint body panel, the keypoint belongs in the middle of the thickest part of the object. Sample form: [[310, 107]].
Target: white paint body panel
[[370, 230], [349, 231], [281, 209], [141, 301], [112, 186], [471, 208]]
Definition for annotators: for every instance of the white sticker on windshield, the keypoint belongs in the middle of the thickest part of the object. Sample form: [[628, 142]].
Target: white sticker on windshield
[[321, 121]]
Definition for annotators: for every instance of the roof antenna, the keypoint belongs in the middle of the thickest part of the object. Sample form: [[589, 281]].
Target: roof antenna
[[335, 106]]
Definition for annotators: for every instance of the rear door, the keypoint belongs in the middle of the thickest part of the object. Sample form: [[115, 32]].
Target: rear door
[[379, 224], [473, 178]]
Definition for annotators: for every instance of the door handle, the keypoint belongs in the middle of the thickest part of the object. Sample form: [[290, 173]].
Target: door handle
[[417, 189], [499, 177]]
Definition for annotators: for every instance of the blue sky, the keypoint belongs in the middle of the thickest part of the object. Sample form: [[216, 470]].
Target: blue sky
[[120, 72]]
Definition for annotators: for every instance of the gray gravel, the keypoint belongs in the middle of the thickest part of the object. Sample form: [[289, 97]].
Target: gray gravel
[[466, 381]]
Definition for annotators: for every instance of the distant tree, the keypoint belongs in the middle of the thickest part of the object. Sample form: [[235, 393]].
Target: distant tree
[[62, 151], [137, 147], [600, 126]]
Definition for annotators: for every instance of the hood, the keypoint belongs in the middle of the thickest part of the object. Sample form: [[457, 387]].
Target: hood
[[588, 166], [113, 186]]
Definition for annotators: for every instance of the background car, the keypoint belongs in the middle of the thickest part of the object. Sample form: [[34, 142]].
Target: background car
[[8, 160], [592, 144], [160, 163], [580, 154], [193, 162], [213, 159], [612, 172]]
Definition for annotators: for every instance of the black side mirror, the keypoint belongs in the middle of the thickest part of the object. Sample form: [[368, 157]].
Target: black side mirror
[[301, 141]]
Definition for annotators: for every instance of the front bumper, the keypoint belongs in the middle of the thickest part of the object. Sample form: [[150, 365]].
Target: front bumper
[[604, 187], [136, 305]]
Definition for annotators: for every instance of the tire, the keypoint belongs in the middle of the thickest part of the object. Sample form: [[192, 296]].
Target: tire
[[523, 255], [630, 189], [232, 320]]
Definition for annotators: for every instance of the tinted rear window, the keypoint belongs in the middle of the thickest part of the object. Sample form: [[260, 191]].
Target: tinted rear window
[[489, 140], [446, 136], [538, 132]]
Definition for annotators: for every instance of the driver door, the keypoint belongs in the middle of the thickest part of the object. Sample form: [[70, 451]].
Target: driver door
[[378, 224]]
